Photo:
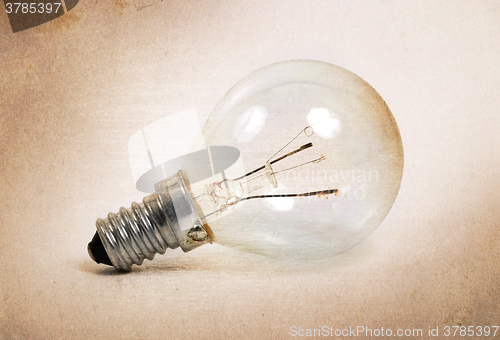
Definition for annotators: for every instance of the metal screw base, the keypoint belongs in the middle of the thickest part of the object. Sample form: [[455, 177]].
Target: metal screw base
[[165, 219]]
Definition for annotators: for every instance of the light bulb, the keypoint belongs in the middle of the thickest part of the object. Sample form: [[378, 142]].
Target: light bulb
[[318, 165]]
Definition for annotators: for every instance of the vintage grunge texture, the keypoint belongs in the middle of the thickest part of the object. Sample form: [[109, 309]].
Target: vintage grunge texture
[[75, 89]]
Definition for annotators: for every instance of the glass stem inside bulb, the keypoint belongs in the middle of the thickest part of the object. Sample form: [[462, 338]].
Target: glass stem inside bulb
[[218, 196]]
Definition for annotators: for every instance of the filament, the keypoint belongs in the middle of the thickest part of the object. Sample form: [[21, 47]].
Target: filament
[[312, 193], [308, 131], [303, 130], [303, 147], [317, 160]]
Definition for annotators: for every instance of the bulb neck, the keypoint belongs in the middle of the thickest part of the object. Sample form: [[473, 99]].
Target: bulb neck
[[165, 219]]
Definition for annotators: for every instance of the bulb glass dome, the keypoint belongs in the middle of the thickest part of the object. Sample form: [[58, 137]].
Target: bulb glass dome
[[319, 167]]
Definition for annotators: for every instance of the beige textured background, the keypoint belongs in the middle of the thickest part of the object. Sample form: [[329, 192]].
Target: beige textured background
[[74, 90]]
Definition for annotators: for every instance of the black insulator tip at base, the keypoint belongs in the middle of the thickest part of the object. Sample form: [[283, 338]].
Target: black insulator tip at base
[[97, 252]]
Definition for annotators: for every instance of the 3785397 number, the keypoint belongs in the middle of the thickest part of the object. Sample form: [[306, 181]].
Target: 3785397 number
[[471, 331], [20, 7]]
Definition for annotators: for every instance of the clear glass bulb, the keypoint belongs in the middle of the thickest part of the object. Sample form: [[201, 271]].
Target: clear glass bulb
[[303, 160], [320, 162]]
